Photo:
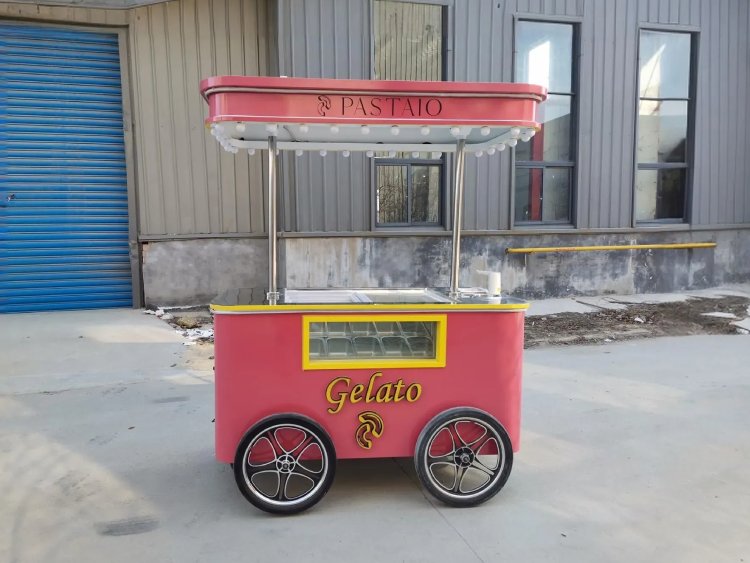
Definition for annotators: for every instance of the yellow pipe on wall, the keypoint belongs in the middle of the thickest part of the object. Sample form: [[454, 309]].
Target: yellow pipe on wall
[[677, 245]]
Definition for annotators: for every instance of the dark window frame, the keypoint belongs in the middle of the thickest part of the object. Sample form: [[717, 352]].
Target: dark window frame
[[574, 95], [409, 163], [446, 7], [688, 165]]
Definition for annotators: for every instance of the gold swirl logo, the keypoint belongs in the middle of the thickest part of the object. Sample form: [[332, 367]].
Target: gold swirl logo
[[324, 105], [371, 427]]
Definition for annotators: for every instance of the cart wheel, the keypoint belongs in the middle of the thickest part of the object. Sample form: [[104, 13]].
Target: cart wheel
[[463, 457], [285, 464]]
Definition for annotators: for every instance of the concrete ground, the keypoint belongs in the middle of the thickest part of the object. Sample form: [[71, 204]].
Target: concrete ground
[[632, 452]]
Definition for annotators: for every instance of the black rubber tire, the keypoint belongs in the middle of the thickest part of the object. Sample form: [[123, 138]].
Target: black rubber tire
[[456, 497], [282, 506]]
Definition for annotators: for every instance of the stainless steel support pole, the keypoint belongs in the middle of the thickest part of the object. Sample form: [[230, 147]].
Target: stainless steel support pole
[[273, 295], [458, 213]]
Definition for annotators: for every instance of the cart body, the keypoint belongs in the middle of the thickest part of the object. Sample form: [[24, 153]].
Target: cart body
[[260, 371]]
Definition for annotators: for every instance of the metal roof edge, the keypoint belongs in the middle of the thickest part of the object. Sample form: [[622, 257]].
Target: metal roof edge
[[93, 4]]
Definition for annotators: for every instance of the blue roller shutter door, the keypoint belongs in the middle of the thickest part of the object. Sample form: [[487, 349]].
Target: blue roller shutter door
[[63, 189]]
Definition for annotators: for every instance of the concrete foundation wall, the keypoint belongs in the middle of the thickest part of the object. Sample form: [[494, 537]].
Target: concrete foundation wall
[[425, 261], [193, 272]]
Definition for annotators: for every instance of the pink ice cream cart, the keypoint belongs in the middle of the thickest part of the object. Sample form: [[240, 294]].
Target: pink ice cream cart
[[308, 376]]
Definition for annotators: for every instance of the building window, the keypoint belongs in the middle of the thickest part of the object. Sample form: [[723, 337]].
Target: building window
[[409, 45], [407, 192], [544, 167], [663, 123]]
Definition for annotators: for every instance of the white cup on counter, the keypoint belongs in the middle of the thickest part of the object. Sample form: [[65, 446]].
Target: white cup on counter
[[494, 282]]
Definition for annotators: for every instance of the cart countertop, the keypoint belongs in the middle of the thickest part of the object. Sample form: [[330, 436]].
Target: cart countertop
[[252, 300]]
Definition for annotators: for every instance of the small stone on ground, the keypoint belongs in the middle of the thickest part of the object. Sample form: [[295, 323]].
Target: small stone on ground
[[720, 315]]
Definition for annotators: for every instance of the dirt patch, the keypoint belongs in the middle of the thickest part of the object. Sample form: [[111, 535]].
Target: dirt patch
[[199, 358], [637, 321]]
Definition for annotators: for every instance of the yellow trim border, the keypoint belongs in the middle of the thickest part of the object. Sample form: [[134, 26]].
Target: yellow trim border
[[368, 307], [376, 363]]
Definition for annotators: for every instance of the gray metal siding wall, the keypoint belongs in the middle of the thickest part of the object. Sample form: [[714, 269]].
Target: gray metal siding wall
[[331, 38], [483, 53], [325, 39], [186, 184], [722, 149]]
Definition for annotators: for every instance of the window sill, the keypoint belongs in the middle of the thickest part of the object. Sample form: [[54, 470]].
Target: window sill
[[542, 226], [667, 224]]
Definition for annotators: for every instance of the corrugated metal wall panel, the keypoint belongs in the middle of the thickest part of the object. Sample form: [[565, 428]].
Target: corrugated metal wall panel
[[743, 92], [483, 50], [186, 184], [701, 170], [479, 48], [326, 39], [63, 184]]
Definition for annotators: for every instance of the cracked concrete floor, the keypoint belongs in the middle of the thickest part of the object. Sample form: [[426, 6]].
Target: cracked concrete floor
[[632, 452]]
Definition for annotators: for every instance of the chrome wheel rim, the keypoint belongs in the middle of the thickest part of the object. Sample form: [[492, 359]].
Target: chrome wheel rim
[[464, 457], [285, 464]]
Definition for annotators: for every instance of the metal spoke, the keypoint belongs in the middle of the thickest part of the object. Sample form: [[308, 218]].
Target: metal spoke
[[500, 455], [483, 444], [476, 464], [278, 442], [303, 444], [460, 472], [463, 442], [281, 493], [300, 469], [447, 458], [311, 442], [275, 446]]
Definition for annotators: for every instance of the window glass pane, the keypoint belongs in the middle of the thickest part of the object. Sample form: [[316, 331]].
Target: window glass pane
[[528, 194], [662, 131], [556, 194], [425, 204], [544, 54], [392, 192], [664, 64], [408, 41], [552, 143], [346, 340], [660, 194], [542, 194]]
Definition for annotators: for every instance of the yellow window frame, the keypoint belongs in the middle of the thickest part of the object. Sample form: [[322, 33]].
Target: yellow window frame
[[441, 332]]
